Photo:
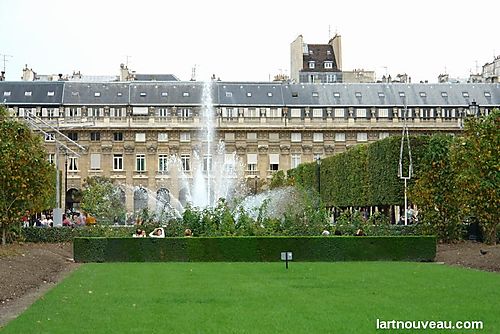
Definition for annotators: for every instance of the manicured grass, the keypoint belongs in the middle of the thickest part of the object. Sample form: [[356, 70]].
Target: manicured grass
[[340, 297]]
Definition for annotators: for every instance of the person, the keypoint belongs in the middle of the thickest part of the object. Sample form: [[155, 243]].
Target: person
[[83, 218], [325, 233], [44, 222], [26, 219], [410, 215], [65, 220], [50, 222], [157, 233], [188, 233], [139, 233], [74, 219]]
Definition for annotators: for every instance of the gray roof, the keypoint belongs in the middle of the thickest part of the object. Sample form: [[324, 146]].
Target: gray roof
[[92, 93], [155, 77], [272, 94], [179, 93], [31, 93], [249, 94], [392, 94]]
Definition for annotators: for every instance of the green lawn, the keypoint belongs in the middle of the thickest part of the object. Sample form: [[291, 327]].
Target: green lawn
[[338, 297]]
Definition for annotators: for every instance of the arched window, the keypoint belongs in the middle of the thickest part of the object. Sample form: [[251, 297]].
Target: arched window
[[140, 199], [162, 199]]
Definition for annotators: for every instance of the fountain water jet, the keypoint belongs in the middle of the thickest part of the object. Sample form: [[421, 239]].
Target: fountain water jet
[[210, 174]]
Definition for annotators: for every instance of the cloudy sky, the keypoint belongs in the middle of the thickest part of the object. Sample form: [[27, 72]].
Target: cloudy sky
[[246, 40]]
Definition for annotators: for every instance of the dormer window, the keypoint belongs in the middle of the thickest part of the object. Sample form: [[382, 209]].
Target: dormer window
[[229, 94], [295, 94], [270, 94], [143, 94], [164, 94], [315, 94], [50, 93], [336, 95], [249, 94], [358, 94], [402, 94], [185, 94], [487, 94], [328, 64], [97, 94], [444, 94], [423, 94], [465, 94], [27, 93], [312, 64], [6, 93]]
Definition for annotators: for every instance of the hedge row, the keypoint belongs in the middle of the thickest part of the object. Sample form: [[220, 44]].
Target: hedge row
[[364, 175], [66, 234], [254, 249]]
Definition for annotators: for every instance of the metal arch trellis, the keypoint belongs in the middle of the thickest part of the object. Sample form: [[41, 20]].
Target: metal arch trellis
[[405, 136], [39, 124]]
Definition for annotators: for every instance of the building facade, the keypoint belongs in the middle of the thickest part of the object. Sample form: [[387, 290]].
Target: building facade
[[316, 63], [128, 129], [491, 71]]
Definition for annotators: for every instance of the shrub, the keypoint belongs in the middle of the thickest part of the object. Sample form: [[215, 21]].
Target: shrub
[[408, 248]]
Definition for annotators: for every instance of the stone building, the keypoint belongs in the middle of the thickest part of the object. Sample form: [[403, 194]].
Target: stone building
[[491, 71], [129, 128], [322, 63], [316, 63]]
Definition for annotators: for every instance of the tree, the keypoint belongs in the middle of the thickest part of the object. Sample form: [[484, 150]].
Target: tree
[[102, 199], [280, 179], [435, 191], [27, 179], [475, 158]]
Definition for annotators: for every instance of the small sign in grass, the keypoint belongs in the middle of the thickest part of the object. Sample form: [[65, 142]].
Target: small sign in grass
[[340, 297]]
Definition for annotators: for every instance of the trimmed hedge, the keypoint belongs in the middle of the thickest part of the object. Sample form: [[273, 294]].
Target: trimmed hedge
[[67, 234], [255, 249], [364, 175]]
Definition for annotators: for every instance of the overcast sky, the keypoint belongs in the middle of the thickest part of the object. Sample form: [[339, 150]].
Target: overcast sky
[[246, 40]]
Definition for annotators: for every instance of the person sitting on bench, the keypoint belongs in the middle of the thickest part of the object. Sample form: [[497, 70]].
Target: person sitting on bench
[[157, 233], [139, 233]]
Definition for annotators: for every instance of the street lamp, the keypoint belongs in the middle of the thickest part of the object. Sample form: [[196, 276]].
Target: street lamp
[[318, 173], [473, 109]]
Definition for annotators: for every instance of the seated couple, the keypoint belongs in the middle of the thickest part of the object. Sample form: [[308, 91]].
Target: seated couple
[[157, 233]]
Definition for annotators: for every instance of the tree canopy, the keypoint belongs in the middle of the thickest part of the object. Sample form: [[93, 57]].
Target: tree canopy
[[476, 161], [27, 179], [102, 199]]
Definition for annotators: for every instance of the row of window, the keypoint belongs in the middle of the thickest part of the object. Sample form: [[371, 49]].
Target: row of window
[[327, 65], [185, 162], [248, 112], [228, 136]]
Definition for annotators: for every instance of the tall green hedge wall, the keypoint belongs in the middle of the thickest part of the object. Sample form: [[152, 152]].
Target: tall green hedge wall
[[255, 249], [364, 175]]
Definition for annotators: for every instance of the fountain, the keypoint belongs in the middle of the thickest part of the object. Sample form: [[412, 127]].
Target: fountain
[[211, 173]]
